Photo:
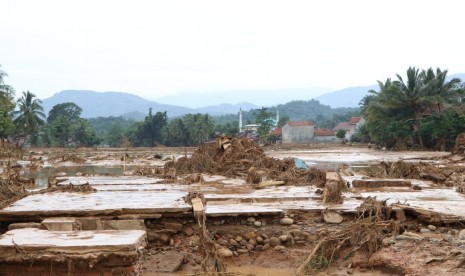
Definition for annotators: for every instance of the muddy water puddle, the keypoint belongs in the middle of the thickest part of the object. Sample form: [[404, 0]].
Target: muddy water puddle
[[41, 176]]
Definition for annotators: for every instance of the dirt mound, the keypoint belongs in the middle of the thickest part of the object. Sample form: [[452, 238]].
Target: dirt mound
[[460, 144], [241, 157], [407, 170]]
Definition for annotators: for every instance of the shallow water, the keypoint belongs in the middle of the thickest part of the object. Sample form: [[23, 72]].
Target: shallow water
[[41, 176]]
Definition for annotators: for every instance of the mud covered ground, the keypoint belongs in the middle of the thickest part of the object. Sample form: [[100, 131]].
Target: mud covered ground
[[267, 244]]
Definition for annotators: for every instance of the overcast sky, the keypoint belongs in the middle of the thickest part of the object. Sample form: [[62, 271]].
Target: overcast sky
[[160, 48]]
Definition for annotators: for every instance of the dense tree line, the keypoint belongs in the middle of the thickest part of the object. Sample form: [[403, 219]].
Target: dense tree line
[[423, 110]]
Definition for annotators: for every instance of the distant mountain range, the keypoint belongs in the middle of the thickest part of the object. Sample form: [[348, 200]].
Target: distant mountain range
[[104, 104]]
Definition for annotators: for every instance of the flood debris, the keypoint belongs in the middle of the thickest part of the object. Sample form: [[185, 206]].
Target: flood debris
[[239, 157], [460, 144], [410, 170], [332, 192], [357, 236]]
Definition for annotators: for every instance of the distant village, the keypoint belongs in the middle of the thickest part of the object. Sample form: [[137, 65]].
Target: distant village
[[302, 132]]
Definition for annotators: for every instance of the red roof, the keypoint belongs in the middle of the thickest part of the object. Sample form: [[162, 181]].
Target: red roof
[[305, 123], [277, 131], [324, 132], [354, 120], [344, 125]]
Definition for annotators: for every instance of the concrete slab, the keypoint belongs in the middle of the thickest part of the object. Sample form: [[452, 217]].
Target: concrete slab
[[43, 244], [135, 203], [60, 224]]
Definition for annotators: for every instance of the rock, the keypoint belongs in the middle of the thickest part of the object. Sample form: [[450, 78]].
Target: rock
[[280, 248], [332, 217], [312, 238], [264, 236], [257, 223], [194, 241], [189, 231], [283, 238], [242, 251], [233, 242], [259, 247], [274, 241], [250, 247], [416, 187], [176, 226], [251, 219], [424, 230], [387, 241], [238, 238], [165, 238], [263, 223], [224, 252], [266, 246], [286, 221], [253, 242], [432, 227], [243, 243], [222, 242], [260, 240], [267, 241], [250, 235]]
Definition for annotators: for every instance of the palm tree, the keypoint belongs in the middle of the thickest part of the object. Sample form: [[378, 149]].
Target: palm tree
[[438, 90], [30, 116]]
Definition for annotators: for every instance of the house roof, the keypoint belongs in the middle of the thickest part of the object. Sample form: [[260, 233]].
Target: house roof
[[344, 125], [277, 131], [304, 123], [324, 132], [354, 120]]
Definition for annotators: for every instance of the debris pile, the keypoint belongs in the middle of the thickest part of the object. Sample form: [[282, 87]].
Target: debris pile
[[460, 144], [241, 157], [401, 169]]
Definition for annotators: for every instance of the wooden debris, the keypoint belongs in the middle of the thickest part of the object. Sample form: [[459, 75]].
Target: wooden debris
[[378, 183]]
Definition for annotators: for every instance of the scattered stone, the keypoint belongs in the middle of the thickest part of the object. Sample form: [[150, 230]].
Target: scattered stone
[[164, 238], [257, 223], [266, 246], [432, 227], [251, 219], [387, 241], [312, 238], [264, 236], [233, 242], [274, 241], [250, 247], [194, 241], [286, 221], [239, 238], [424, 230], [188, 231], [416, 187], [224, 252], [222, 242], [263, 223], [259, 247], [176, 226], [260, 240], [332, 217], [280, 248], [242, 251], [250, 235], [283, 238], [253, 242]]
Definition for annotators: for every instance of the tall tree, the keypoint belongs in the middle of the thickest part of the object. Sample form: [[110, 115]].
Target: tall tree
[[264, 121], [7, 105], [69, 110], [30, 116]]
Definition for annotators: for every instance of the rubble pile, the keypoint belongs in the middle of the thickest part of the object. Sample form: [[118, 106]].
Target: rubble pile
[[460, 144], [239, 157], [407, 170]]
